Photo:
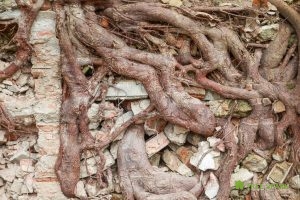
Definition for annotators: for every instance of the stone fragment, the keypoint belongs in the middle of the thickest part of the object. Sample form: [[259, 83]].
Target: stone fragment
[[279, 172], [93, 113], [8, 174], [7, 82], [29, 182], [3, 139], [16, 75], [155, 159], [114, 149], [255, 163], [3, 194], [175, 164], [154, 125], [176, 134], [241, 174], [89, 166], [294, 182], [211, 96], [80, 191], [184, 154], [120, 120], [278, 107], [281, 153], [139, 106], [195, 92], [216, 143], [1, 182], [91, 188], [156, 143], [194, 139], [22, 80], [222, 108], [27, 165], [8, 92], [126, 89], [109, 159], [205, 158], [24, 190], [13, 88], [212, 186], [23, 89], [16, 186], [31, 82], [49, 190], [268, 32], [266, 101], [19, 155], [2, 85]]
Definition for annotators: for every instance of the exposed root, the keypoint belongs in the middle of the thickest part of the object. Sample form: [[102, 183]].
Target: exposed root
[[139, 180], [29, 12]]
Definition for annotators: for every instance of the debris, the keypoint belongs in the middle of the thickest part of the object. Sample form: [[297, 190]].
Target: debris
[[266, 101], [19, 155], [16, 186], [216, 143], [184, 154], [196, 92], [8, 174], [120, 120], [268, 32], [194, 139], [91, 188], [114, 149], [7, 82], [278, 107], [211, 96], [22, 80], [281, 153], [175, 164], [279, 172], [88, 167], [109, 160], [27, 165], [8, 92], [139, 106], [80, 191], [23, 89], [176, 134], [176, 3], [3, 139], [126, 89], [155, 159], [241, 174], [222, 108], [206, 158], [212, 186], [255, 163], [154, 125], [13, 88], [295, 182], [93, 113], [156, 143]]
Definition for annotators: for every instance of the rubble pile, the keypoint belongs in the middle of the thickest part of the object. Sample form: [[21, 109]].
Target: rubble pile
[[27, 161]]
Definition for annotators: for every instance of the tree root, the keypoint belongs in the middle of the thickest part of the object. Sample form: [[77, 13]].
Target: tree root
[[28, 14], [139, 180], [214, 67]]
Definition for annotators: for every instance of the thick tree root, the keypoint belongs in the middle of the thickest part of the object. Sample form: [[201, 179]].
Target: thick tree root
[[141, 181], [220, 49]]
